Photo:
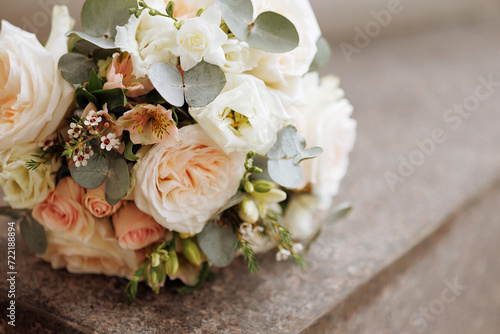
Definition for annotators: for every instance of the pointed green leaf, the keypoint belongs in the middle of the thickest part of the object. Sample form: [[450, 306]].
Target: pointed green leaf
[[83, 97], [285, 173], [102, 42], [100, 17], [218, 243], [238, 15], [34, 235], [113, 97], [203, 83], [94, 82], [273, 33], [94, 174], [128, 153], [323, 55], [76, 67], [168, 82], [118, 179]]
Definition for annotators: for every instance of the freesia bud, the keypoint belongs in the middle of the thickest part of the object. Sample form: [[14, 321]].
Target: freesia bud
[[270, 197], [191, 251], [172, 264], [248, 211]]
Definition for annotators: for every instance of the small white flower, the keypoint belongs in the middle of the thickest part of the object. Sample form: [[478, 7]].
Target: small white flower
[[93, 119], [246, 229], [283, 255], [297, 248], [88, 151], [46, 144], [81, 159], [109, 142], [75, 131], [201, 38]]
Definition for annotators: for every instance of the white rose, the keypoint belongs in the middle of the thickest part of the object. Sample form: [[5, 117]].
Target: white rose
[[326, 121], [148, 39], [34, 98], [183, 186], [24, 188], [245, 117], [101, 254], [201, 38], [277, 70], [239, 56]]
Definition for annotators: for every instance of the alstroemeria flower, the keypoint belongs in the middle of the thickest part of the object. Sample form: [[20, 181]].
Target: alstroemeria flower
[[201, 38], [149, 124]]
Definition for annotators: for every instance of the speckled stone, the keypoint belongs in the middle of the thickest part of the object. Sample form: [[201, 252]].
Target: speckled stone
[[401, 88]]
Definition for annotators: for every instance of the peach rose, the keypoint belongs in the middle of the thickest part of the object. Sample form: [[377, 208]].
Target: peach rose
[[101, 254], [63, 211], [95, 202], [134, 229], [187, 9], [120, 76], [183, 186]]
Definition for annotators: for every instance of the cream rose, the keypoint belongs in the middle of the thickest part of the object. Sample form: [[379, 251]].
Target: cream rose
[[25, 188], [183, 186], [95, 202], [300, 216], [63, 211], [187, 9], [134, 229], [34, 98], [239, 56], [326, 121], [245, 117], [281, 71], [100, 254], [148, 39]]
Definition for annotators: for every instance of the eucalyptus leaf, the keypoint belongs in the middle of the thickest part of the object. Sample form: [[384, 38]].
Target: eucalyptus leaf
[[203, 83], [310, 153], [34, 235], [102, 42], [168, 82], [113, 97], [218, 243], [118, 179], [339, 212], [285, 173], [323, 55], [291, 142], [15, 214], [94, 174], [76, 67], [238, 15], [273, 33], [100, 17]]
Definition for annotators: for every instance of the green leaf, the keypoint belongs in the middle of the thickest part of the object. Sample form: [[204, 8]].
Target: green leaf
[[323, 55], [310, 153], [100, 17], [113, 97], [15, 214], [118, 179], [94, 174], [291, 142], [129, 153], [168, 82], [285, 173], [339, 212], [102, 42], [205, 275], [203, 83], [76, 67], [94, 82], [154, 98], [238, 15], [218, 243], [83, 97], [34, 235], [273, 33], [235, 200]]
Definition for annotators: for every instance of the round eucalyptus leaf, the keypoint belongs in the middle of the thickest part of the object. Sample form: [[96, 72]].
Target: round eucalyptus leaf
[[100, 17], [310, 153], [323, 55], [168, 82], [203, 83], [273, 33], [34, 234], [76, 67], [238, 15], [218, 243], [292, 142], [94, 174], [102, 42], [285, 173], [118, 180]]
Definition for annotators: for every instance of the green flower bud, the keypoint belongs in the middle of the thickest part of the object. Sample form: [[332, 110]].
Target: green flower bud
[[191, 251], [172, 265], [255, 170], [153, 12], [170, 8], [250, 155], [155, 260], [249, 187], [248, 211], [154, 277], [263, 186]]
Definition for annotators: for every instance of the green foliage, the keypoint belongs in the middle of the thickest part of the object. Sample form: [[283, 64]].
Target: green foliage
[[93, 92], [339, 212], [323, 55], [94, 174], [118, 179], [199, 87], [218, 243], [129, 153], [270, 32], [33, 234]]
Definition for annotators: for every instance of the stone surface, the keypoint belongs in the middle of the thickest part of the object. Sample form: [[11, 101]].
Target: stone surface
[[401, 88]]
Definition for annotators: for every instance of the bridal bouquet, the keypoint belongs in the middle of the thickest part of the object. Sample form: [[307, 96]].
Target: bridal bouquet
[[169, 137]]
